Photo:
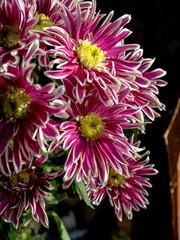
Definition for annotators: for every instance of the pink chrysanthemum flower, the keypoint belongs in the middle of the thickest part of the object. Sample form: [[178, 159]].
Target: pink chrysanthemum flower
[[125, 193], [95, 138], [25, 190], [148, 83], [15, 23], [90, 52], [47, 13], [50, 12], [25, 111]]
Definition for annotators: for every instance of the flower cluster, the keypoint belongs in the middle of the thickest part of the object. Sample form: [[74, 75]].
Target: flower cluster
[[69, 83]]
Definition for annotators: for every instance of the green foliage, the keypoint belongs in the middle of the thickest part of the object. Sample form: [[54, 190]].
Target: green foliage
[[82, 192], [129, 132], [7, 231], [62, 233]]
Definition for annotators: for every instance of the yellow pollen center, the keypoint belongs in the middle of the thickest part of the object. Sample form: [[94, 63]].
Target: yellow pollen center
[[91, 127], [21, 177], [115, 179], [44, 21], [90, 56], [15, 102], [9, 36]]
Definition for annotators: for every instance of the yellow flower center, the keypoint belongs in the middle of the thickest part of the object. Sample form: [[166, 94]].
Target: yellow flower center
[[15, 102], [44, 21], [21, 177], [90, 56], [115, 179], [91, 126], [9, 36]]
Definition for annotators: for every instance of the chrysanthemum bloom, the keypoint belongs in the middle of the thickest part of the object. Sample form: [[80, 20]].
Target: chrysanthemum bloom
[[90, 52], [25, 190], [47, 12], [148, 83], [15, 23], [50, 12], [125, 193], [25, 111], [95, 139]]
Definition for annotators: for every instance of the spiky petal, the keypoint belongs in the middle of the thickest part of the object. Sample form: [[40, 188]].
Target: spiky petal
[[24, 191], [125, 194]]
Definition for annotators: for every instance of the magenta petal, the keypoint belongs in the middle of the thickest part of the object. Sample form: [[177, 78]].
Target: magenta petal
[[58, 74], [42, 214], [40, 120], [8, 209], [123, 48], [39, 161], [125, 19], [160, 83], [31, 22], [69, 141], [78, 149], [102, 168], [123, 94], [68, 183], [54, 174], [149, 112], [15, 218], [70, 172], [68, 125], [93, 163], [155, 74], [4, 163], [69, 161], [142, 82], [32, 50], [51, 42], [45, 183], [50, 131], [43, 60], [4, 203], [80, 93], [5, 137]]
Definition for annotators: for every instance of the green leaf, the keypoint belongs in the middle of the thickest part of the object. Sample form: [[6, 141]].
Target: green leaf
[[12, 233], [82, 192], [29, 229], [129, 132], [57, 155], [7, 231], [62, 232], [48, 166]]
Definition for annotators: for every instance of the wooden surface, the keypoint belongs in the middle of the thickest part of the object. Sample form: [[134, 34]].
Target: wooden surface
[[172, 140], [178, 199]]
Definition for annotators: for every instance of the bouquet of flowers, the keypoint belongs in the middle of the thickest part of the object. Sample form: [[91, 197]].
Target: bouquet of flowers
[[72, 96]]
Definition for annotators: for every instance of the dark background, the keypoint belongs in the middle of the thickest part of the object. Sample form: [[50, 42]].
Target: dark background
[[155, 26]]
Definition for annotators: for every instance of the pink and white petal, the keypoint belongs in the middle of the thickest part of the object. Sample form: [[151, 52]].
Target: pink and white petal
[[4, 203], [157, 73], [39, 161], [6, 134], [42, 214], [58, 74], [31, 51]]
